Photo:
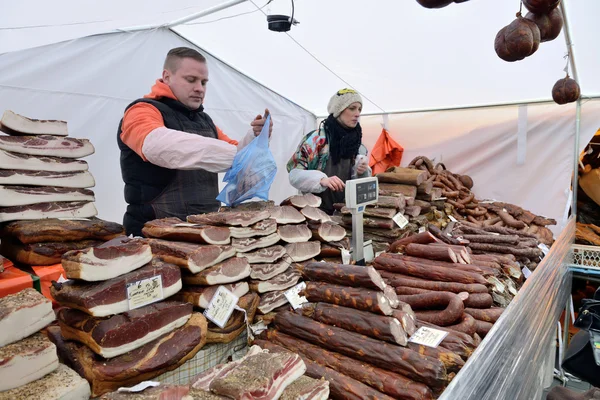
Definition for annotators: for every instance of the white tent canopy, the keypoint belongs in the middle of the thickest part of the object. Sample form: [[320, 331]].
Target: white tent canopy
[[399, 55]]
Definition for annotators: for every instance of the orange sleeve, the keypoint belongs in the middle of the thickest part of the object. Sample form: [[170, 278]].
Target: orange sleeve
[[138, 121], [224, 137]]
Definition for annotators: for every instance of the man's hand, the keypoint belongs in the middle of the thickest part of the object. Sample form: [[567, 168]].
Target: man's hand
[[259, 122], [334, 183], [361, 165]]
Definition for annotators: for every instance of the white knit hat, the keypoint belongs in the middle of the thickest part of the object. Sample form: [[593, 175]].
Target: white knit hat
[[341, 100]]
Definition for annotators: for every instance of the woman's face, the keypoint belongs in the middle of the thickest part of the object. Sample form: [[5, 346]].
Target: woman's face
[[349, 117]]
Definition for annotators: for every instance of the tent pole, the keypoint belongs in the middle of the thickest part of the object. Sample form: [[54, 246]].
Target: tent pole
[[200, 14], [567, 32]]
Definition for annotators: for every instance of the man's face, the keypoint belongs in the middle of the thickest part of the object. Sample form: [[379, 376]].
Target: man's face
[[188, 82]]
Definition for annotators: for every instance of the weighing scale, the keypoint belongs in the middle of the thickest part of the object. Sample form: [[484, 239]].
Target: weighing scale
[[359, 194]]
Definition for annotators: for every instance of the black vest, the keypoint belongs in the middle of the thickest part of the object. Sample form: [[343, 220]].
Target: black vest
[[156, 192]]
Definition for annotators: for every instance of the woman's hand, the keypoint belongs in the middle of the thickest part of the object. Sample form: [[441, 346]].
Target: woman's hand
[[362, 163], [334, 183]]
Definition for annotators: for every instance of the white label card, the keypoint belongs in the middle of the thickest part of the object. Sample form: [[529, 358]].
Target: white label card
[[139, 387], [368, 252], [400, 220], [221, 306], [345, 256], [526, 272], [144, 292], [422, 229], [293, 297], [544, 248], [428, 336], [452, 218]]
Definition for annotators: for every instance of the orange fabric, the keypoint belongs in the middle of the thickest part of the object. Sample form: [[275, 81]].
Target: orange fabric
[[47, 274], [13, 280], [142, 118], [386, 153]]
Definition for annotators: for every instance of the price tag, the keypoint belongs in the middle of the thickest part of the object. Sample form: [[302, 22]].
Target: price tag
[[144, 292], [345, 256], [526, 272], [428, 336], [258, 327], [368, 251], [379, 253], [221, 306], [139, 387], [400, 220], [452, 218], [544, 248], [293, 297], [422, 229]]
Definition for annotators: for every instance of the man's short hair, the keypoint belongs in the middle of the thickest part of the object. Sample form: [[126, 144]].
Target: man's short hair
[[174, 56]]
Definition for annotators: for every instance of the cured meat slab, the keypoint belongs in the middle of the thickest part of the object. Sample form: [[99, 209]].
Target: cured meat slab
[[49, 253], [231, 218], [303, 251], [61, 384], [294, 233], [178, 230], [10, 160], [119, 334], [26, 360], [249, 244], [57, 230], [25, 195], [343, 274], [237, 321], [70, 209], [232, 270], [262, 228], [286, 215], [315, 214], [163, 392], [191, 256], [374, 301], [45, 145], [166, 353], [306, 388], [327, 231], [77, 179], [22, 314], [282, 281], [302, 200], [106, 261], [16, 124], [200, 296], [264, 272], [266, 255], [110, 297], [271, 301]]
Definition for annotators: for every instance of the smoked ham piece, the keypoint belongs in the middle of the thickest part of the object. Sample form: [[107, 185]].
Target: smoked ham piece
[[61, 384], [166, 353], [77, 179], [48, 253], [286, 215], [200, 296], [110, 297], [232, 270], [63, 209], [45, 145], [231, 218], [262, 228], [266, 255], [175, 229], [249, 244], [22, 314], [303, 251], [109, 260], [10, 160], [16, 124], [57, 230], [294, 233], [116, 335], [25, 361], [26, 195]]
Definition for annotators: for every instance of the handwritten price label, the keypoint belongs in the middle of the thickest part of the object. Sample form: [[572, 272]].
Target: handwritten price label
[[144, 292], [293, 297], [428, 336], [400, 220], [221, 307]]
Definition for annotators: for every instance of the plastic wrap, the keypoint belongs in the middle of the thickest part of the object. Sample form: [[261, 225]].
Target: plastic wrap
[[512, 361]]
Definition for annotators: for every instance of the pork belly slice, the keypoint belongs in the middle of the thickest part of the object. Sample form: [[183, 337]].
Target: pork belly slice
[[315, 214], [200, 296], [101, 299], [249, 244], [22, 314], [16, 124], [303, 251], [191, 256], [266, 255], [265, 272], [46, 145], [26, 360], [119, 334], [294, 233], [61, 384], [178, 230], [232, 270], [262, 228], [71, 209], [76, 179], [25, 195], [109, 260], [231, 218], [271, 300], [306, 388], [282, 281], [10, 160], [286, 215]]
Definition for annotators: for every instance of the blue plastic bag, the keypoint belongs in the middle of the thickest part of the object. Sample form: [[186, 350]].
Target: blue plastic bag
[[252, 172]]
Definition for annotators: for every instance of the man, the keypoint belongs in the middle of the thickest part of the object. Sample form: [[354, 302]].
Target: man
[[171, 151]]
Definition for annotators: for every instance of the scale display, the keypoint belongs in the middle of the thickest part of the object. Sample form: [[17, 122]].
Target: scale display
[[366, 192], [361, 192]]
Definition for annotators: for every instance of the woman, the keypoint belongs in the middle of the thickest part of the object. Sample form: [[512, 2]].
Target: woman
[[328, 157]]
